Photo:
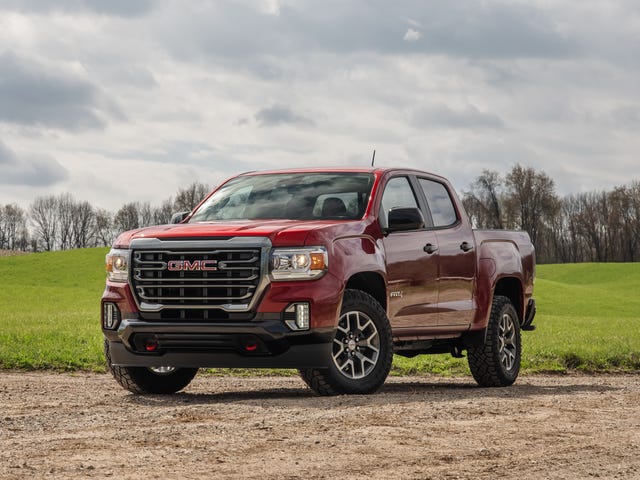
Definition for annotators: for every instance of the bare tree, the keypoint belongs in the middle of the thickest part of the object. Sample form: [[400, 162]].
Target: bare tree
[[162, 214], [3, 229], [569, 245], [145, 214], [633, 219], [104, 228], [83, 231], [483, 200], [23, 240], [530, 201], [188, 198], [591, 227], [127, 218], [43, 214], [65, 210], [622, 225], [134, 215], [12, 227]]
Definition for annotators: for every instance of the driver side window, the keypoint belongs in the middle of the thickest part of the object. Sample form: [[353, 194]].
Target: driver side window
[[397, 193]]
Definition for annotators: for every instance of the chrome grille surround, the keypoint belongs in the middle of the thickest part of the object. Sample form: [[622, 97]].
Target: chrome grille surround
[[233, 286]]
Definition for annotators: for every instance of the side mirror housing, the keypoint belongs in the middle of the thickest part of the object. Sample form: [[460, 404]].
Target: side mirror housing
[[405, 219], [179, 217]]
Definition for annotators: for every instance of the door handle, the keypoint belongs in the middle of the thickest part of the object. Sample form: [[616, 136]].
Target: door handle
[[430, 248], [466, 246]]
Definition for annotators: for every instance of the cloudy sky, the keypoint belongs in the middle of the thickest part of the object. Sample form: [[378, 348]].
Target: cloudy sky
[[124, 100]]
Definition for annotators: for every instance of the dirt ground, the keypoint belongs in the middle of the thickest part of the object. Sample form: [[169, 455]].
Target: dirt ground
[[86, 426]]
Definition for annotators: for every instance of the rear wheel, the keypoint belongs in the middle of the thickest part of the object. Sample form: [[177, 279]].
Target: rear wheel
[[362, 350], [150, 380], [497, 362]]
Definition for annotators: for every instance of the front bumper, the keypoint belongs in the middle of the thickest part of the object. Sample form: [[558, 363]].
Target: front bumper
[[262, 343], [255, 335]]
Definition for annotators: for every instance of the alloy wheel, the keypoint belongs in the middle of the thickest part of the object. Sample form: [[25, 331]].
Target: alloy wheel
[[507, 349], [356, 346]]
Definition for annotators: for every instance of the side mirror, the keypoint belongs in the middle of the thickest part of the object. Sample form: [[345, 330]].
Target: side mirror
[[179, 217], [405, 219]]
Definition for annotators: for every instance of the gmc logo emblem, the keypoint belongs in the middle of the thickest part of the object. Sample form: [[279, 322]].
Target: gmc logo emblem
[[196, 265]]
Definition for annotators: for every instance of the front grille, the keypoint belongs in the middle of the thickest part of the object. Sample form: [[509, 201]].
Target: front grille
[[203, 279]]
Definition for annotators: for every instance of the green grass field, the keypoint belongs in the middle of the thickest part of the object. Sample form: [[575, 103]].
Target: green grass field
[[588, 317], [50, 310]]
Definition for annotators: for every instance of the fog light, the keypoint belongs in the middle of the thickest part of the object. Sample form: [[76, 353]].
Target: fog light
[[302, 316], [110, 316], [297, 316]]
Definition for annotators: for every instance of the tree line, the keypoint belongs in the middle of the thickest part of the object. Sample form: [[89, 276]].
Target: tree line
[[60, 222], [598, 226]]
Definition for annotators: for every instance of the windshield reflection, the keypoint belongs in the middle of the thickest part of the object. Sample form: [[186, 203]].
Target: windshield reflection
[[304, 196]]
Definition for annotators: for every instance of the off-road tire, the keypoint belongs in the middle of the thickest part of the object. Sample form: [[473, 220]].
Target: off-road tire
[[142, 380], [360, 308], [497, 362]]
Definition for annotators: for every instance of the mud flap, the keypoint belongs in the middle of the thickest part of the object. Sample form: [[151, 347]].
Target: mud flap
[[474, 338], [529, 316]]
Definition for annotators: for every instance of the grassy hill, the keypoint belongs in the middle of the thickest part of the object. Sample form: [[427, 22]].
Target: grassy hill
[[588, 317], [50, 310]]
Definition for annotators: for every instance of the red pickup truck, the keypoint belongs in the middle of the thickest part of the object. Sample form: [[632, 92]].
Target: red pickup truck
[[328, 271]]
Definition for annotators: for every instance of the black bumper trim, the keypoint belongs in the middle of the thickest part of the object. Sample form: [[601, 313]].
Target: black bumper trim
[[296, 356], [267, 343]]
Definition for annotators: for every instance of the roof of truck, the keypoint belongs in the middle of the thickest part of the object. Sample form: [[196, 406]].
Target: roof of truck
[[379, 170]]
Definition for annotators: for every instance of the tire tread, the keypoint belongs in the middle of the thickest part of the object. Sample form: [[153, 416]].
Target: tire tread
[[140, 380], [484, 360]]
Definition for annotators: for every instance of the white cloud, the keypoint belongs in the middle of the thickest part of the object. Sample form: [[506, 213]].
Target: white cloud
[[412, 35]]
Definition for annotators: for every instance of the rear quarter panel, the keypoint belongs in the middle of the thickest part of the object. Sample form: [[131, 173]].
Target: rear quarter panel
[[502, 254]]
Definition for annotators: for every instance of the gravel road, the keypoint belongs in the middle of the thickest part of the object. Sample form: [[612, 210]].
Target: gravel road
[[85, 426]]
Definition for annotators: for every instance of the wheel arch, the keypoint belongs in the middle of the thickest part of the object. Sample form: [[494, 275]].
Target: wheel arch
[[511, 287], [372, 283]]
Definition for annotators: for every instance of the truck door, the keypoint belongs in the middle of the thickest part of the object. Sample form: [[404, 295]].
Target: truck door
[[412, 265], [456, 279]]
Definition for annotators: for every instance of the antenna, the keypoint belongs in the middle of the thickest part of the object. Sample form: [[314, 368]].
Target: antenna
[[373, 159]]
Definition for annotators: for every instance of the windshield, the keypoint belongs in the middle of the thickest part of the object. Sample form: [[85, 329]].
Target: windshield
[[299, 196]]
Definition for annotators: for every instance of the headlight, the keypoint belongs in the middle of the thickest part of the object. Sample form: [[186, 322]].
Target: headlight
[[298, 263], [118, 265]]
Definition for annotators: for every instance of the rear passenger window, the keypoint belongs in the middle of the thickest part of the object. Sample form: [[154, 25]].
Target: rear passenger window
[[442, 210]]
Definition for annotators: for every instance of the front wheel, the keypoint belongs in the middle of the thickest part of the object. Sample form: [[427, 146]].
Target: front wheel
[[497, 362], [362, 349], [143, 380]]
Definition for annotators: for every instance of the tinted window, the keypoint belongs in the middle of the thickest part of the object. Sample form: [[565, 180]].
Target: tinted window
[[296, 196], [397, 193], [440, 204]]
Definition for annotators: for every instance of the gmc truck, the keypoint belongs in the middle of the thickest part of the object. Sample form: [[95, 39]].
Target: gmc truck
[[327, 271]]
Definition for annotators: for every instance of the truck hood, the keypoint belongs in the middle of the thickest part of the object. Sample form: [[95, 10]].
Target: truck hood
[[280, 232]]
